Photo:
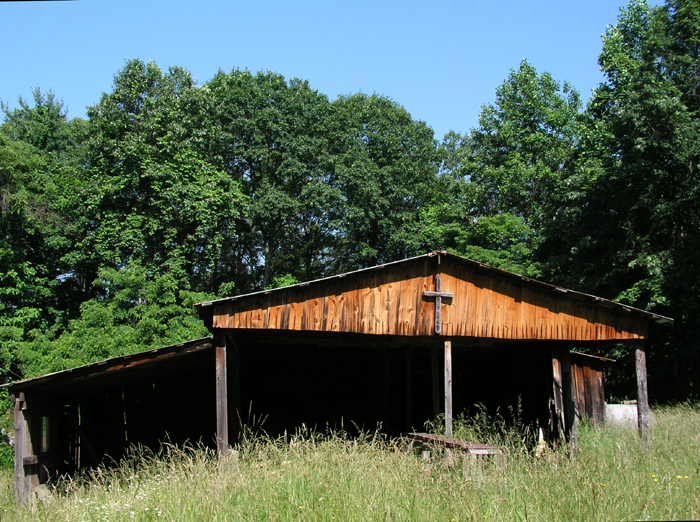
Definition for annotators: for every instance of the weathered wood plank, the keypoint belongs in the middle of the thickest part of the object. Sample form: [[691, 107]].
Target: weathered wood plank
[[571, 409], [425, 311], [388, 309], [448, 442], [448, 388], [642, 393], [389, 301], [598, 396], [558, 394], [22, 450], [577, 373], [587, 392], [221, 394]]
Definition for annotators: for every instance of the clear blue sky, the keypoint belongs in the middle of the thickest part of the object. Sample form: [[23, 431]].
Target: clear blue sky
[[441, 60]]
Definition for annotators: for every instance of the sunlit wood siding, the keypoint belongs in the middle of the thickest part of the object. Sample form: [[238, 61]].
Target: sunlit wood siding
[[385, 301], [491, 305], [389, 301], [587, 373]]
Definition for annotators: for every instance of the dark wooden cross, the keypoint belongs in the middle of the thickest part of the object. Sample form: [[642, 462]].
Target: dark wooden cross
[[438, 294]]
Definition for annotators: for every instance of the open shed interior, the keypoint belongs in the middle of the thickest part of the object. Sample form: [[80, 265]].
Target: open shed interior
[[93, 415], [396, 386], [82, 419]]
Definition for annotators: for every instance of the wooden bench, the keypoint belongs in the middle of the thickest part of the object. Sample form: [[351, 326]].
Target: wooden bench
[[472, 448], [441, 442]]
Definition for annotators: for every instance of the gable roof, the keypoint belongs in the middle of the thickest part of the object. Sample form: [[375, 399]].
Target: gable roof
[[400, 299]]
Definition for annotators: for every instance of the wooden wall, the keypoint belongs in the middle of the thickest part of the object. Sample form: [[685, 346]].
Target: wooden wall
[[383, 301], [390, 301], [499, 307], [577, 390], [587, 374]]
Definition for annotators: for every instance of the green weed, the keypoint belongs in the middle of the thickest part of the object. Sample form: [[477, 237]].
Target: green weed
[[311, 476]]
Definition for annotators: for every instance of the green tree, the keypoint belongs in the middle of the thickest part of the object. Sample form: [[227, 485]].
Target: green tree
[[154, 199], [513, 165], [271, 136], [45, 126], [634, 209], [24, 279], [387, 167], [502, 240], [515, 159], [138, 310], [40, 159]]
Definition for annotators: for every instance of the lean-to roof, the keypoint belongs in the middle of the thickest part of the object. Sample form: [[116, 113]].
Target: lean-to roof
[[119, 370]]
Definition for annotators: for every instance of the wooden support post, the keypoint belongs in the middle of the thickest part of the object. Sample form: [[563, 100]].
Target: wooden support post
[[571, 408], [448, 388], [642, 393], [408, 388], [558, 422], [26, 464], [435, 379], [21, 450], [221, 394], [598, 392]]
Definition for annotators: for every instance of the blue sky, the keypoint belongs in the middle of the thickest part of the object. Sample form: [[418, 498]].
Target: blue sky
[[441, 60]]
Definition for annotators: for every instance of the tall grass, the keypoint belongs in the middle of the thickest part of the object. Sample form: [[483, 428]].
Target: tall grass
[[331, 477]]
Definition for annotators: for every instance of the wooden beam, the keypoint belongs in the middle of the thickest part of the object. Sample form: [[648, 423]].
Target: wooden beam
[[438, 294], [221, 394], [642, 392], [448, 388], [26, 477]]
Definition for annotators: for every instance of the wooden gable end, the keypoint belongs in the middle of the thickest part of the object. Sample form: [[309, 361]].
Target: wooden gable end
[[390, 300], [384, 301], [489, 304]]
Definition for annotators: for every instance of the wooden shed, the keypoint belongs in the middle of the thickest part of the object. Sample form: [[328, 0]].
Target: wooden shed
[[390, 346]]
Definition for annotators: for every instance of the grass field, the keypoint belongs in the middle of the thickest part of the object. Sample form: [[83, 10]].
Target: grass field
[[335, 478]]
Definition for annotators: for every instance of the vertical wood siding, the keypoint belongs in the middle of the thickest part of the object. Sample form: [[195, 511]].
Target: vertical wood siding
[[390, 301], [587, 385]]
